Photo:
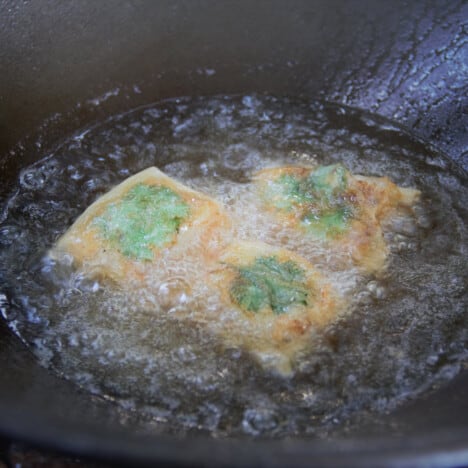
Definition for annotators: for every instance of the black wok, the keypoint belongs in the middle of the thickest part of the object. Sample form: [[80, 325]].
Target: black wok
[[407, 61]]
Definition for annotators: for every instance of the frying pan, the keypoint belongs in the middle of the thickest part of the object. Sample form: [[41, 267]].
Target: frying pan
[[65, 65]]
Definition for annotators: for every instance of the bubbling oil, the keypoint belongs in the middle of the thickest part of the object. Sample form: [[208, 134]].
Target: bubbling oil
[[408, 328]]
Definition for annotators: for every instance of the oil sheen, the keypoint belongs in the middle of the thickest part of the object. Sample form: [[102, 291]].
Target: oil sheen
[[406, 329]]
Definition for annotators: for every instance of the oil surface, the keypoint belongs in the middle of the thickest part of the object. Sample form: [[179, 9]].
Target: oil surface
[[408, 328]]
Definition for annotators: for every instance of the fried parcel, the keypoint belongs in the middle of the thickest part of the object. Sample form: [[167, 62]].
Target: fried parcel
[[330, 205], [147, 220], [275, 300]]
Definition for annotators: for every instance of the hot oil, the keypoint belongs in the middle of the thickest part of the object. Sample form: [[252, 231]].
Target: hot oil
[[408, 328]]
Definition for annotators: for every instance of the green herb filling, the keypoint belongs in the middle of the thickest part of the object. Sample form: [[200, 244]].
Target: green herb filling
[[327, 223], [147, 216], [319, 197], [268, 283]]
